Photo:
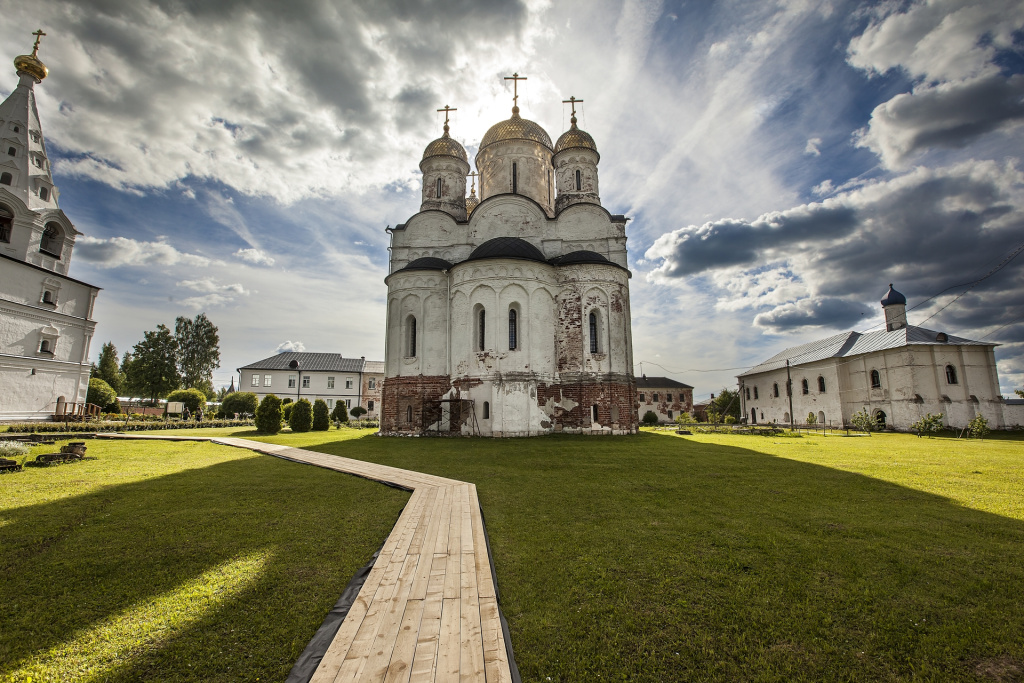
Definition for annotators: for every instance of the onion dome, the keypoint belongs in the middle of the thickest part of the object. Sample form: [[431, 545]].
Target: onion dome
[[507, 247], [471, 201], [893, 297], [31, 64], [446, 146], [428, 263], [515, 128], [574, 138]]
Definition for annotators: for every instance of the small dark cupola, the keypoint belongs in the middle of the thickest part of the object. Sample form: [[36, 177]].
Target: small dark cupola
[[895, 306]]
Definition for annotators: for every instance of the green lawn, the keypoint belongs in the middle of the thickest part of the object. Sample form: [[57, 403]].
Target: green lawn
[[176, 562], [658, 557]]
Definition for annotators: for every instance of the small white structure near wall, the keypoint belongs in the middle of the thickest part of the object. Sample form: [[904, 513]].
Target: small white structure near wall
[[327, 376], [898, 375]]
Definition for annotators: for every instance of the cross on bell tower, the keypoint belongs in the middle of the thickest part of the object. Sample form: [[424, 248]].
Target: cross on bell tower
[[515, 78], [572, 100], [446, 109]]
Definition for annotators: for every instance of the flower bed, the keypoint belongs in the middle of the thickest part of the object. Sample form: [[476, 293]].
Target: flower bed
[[119, 426]]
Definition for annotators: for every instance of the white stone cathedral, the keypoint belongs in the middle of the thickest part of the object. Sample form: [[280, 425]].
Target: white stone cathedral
[[509, 315], [46, 317]]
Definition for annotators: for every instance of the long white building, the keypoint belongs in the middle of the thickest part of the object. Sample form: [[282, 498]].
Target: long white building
[[897, 375], [46, 317]]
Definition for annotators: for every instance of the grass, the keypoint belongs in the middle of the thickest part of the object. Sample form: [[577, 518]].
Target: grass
[[176, 562], [707, 558]]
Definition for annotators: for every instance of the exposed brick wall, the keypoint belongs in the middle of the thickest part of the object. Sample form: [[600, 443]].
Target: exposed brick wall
[[617, 393], [401, 392]]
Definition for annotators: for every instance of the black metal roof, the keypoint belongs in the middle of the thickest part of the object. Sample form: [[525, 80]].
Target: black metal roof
[[308, 362], [428, 263], [893, 297], [582, 256], [507, 247], [645, 382]]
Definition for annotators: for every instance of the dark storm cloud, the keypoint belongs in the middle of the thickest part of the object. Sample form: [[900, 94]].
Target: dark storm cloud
[[818, 311], [951, 115]]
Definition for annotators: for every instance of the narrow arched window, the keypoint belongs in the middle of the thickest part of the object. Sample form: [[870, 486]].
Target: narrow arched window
[[47, 297], [593, 332], [6, 178], [44, 346], [876, 379], [408, 414], [950, 375], [52, 242], [821, 384], [803, 387], [747, 392], [755, 392], [775, 389], [515, 178], [579, 181], [438, 188], [410, 350], [513, 340], [481, 329], [487, 410]]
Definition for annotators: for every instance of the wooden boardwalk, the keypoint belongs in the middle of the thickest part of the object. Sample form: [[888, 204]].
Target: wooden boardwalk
[[428, 610]]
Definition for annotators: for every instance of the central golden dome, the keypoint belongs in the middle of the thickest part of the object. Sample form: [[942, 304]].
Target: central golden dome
[[515, 128]]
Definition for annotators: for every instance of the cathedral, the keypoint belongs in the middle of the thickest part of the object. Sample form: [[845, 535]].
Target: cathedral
[[46, 317], [508, 312]]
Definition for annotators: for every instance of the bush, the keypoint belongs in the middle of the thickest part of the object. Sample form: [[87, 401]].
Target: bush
[[194, 399], [100, 393], [269, 415], [861, 420], [10, 449], [321, 419], [929, 424], [113, 408], [240, 403], [340, 413], [287, 408], [357, 412], [286, 401], [118, 426], [685, 419], [650, 418], [730, 419], [978, 428], [301, 418], [811, 418]]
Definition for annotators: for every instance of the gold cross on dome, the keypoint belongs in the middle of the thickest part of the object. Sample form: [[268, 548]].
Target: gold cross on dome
[[446, 110], [572, 100], [473, 175], [515, 78], [39, 35]]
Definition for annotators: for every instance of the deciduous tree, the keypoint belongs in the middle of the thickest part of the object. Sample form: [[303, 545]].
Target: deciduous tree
[[153, 367], [107, 369], [198, 352]]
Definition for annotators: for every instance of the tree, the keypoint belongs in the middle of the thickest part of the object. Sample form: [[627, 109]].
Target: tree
[[126, 362], [221, 393], [269, 415], [726, 403], [340, 413], [194, 399], [685, 419], [811, 418], [928, 425], [240, 403], [198, 352], [100, 394], [357, 412], [650, 418], [321, 419], [107, 369], [153, 369], [978, 428], [1019, 392], [301, 418], [861, 420]]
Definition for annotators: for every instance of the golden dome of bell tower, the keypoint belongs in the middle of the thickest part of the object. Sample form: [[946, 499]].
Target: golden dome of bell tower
[[31, 64]]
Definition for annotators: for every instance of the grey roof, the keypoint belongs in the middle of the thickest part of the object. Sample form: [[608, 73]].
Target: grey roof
[[310, 362], [645, 382], [374, 367], [850, 344]]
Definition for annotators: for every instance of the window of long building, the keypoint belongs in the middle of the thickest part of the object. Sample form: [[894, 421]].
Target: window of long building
[[579, 180], [438, 188], [513, 340], [515, 178], [593, 332], [481, 329]]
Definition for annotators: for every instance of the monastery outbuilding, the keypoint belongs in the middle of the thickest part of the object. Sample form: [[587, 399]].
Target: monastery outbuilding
[[898, 375], [508, 314], [46, 323]]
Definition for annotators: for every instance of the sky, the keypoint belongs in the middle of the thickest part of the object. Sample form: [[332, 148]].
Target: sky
[[781, 162]]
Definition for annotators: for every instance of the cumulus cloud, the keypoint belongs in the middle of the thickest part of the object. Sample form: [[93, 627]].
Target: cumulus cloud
[[813, 147], [949, 115], [816, 264], [286, 346], [212, 292], [255, 257], [123, 251]]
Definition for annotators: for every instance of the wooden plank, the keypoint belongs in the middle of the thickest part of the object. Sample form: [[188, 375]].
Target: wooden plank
[[400, 666], [425, 660], [471, 668], [419, 588], [484, 580], [449, 642], [389, 629], [495, 657], [452, 582]]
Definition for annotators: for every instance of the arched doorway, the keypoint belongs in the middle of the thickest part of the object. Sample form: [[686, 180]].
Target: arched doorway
[[821, 417], [880, 419], [753, 416]]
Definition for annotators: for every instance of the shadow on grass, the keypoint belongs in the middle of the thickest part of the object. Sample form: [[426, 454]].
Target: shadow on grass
[[658, 558], [77, 563]]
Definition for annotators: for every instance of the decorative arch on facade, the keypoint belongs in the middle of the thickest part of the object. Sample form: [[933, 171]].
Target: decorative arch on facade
[[52, 241], [951, 377], [775, 389], [821, 384], [876, 380], [804, 387]]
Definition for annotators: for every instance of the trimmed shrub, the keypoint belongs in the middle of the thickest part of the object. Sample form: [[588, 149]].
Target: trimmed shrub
[[194, 399], [650, 418], [285, 401], [340, 413], [100, 393], [301, 418], [119, 426], [114, 408], [269, 415], [357, 412], [287, 407], [321, 418], [238, 402], [730, 419]]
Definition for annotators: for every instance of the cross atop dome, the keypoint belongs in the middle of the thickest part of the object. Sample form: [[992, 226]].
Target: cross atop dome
[[515, 78], [447, 109], [31, 64], [572, 100]]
